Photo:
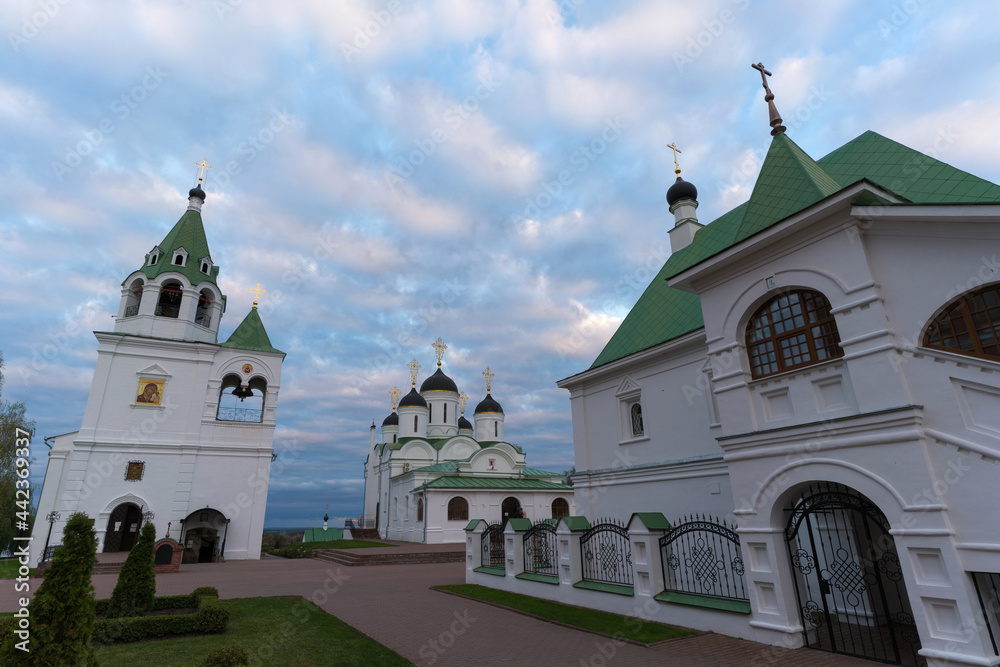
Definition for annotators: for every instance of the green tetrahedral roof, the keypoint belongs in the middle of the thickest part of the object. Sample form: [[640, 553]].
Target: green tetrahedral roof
[[189, 234], [505, 483], [250, 335], [789, 182], [320, 535]]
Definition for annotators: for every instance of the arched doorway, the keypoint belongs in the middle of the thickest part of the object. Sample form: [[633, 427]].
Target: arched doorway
[[122, 529], [848, 579], [511, 508], [204, 537]]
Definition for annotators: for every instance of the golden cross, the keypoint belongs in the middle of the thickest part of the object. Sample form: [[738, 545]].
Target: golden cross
[[394, 395], [439, 348], [673, 147], [257, 292], [201, 172], [488, 374], [414, 369], [462, 400]]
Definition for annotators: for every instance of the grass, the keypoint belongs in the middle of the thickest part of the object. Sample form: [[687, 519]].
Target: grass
[[276, 630], [8, 569], [337, 544], [593, 620]]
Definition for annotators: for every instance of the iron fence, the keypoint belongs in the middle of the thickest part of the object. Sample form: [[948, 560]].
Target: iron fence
[[988, 592], [607, 553], [493, 549], [701, 555], [239, 415], [540, 553]]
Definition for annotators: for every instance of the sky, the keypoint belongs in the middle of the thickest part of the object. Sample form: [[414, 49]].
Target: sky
[[492, 173]]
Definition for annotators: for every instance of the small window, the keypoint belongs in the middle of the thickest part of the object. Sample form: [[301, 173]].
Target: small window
[[560, 508], [430, 413], [179, 260], [969, 325], [152, 258], [458, 509], [496, 429], [420, 509], [204, 267], [134, 471], [445, 413], [394, 437], [635, 413], [414, 424], [791, 331]]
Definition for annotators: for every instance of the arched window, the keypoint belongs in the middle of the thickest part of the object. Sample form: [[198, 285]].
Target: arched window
[[414, 424], [496, 429], [560, 508], [458, 509], [241, 404], [420, 509], [134, 298], [203, 316], [792, 330], [969, 325], [169, 304], [635, 412]]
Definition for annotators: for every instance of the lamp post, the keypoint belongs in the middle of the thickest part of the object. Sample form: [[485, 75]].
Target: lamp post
[[222, 552], [51, 517]]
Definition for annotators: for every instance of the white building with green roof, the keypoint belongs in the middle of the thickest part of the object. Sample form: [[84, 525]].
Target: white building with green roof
[[432, 470], [178, 428], [821, 365]]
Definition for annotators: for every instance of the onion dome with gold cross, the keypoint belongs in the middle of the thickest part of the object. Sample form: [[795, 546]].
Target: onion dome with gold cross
[[488, 404], [393, 418], [439, 381], [413, 399]]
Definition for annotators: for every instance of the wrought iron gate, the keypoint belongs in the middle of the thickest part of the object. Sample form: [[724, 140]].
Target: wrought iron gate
[[607, 553], [540, 549], [493, 549], [848, 579], [701, 555]]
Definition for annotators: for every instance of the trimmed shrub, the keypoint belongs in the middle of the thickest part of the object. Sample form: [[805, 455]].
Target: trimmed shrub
[[210, 591], [211, 617], [136, 586], [233, 655], [62, 611]]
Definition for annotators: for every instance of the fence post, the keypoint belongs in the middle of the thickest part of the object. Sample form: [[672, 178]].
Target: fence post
[[644, 531], [513, 537], [473, 540], [568, 534]]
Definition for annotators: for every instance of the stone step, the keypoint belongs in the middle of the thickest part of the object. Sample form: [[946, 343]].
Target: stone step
[[344, 557], [364, 534]]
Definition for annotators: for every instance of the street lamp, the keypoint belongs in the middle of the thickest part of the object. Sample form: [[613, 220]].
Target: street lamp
[[51, 517]]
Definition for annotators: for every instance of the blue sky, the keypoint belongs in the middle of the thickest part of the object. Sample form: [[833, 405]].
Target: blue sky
[[492, 173]]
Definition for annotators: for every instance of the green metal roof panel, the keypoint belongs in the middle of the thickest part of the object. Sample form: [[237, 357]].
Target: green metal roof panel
[[651, 520], [495, 483], [519, 524], [576, 522], [447, 466], [535, 472], [250, 335], [188, 233], [320, 535], [789, 182]]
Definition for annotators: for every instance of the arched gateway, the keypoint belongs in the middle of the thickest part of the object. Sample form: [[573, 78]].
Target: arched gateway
[[848, 579]]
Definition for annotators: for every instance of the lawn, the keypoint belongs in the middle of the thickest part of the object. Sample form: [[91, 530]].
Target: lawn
[[276, 631], [8, 569], [585, 619]]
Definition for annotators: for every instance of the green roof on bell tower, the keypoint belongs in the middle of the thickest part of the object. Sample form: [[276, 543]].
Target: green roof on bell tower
[[250, 335], [188, 235]]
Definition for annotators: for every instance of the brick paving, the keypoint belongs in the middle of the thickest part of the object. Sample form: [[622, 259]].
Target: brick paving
[[393, 604]]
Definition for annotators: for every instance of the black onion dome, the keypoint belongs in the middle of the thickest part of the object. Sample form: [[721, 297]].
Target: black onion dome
[[196, 191], [326, 517], [488, 404], [439, 382], [464, 423], [681, 189], [413, 399], [391, 420]]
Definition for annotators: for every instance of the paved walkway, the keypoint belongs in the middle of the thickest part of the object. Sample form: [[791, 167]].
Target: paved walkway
[[393, 604]]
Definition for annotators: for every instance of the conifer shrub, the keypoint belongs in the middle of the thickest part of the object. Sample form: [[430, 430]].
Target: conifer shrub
[[232, 655], [62, 611], [210, 617], [210, 591], [136, 587]]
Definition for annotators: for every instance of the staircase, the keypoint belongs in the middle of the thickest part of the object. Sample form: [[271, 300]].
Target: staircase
[[351, 557], [364, 534]]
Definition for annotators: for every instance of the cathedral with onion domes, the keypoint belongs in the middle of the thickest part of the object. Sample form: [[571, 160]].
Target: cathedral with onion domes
[[432, 470]]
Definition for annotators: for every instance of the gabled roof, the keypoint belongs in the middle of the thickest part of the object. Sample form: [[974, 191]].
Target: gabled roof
[[789, 182], [188, 233], [250, 335]]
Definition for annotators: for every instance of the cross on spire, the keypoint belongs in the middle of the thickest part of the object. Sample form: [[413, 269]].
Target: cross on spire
[[257, 292], [201, 172], [439, 348], [462, 400], [394, 395], [677, 167], [414, 367], [488, 374], [775, 119]]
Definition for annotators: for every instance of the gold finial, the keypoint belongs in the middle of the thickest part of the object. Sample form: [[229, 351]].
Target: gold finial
[[414, 369], [462, 400], [394, 395], [775, 122], [257, 292], [439, 348], [673, 147], [488, 374], [201, 172]]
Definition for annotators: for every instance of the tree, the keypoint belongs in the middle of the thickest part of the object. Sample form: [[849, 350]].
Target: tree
[[62, 611], [12, 419], [136, 586]]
